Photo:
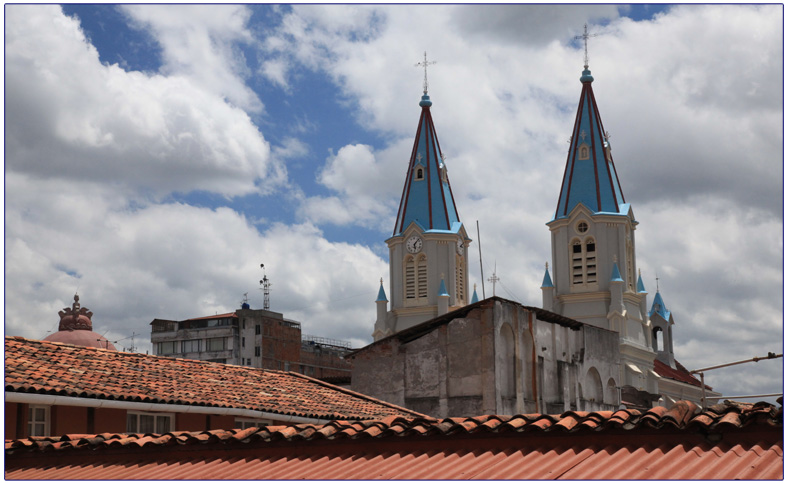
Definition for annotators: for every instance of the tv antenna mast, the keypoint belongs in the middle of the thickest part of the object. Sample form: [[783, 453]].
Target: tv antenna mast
[[266, 288]]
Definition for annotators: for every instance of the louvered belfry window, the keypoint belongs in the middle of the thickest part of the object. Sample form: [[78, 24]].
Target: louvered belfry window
[[422, 277], [583, 256], [459, 276], [410, 278]]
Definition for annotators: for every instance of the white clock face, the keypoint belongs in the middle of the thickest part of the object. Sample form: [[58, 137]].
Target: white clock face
[[413, 244], [460, 246]]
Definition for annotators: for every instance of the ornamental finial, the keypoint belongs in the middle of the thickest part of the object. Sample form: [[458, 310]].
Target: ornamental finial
[[425, 64], [585, 38]]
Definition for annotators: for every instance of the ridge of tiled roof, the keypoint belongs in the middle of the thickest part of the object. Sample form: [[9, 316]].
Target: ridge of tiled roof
[[684, 415], [680, 373], [33, 366]]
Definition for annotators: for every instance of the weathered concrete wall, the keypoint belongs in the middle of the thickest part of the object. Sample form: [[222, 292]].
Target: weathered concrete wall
[[498, 359], [379, 372]]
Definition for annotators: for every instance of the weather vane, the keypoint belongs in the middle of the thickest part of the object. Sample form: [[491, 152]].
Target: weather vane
[[425, 64], [585, 38]]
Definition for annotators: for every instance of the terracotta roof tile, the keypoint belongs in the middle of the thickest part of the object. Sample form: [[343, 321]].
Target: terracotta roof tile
[[67, 370], [680, 373], [682, 415]]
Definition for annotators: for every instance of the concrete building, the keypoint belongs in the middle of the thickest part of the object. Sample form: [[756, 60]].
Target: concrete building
[[255, 338], [493, 357]]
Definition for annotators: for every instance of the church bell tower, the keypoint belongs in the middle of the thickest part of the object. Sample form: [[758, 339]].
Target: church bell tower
[[428, 250], [594, 274]]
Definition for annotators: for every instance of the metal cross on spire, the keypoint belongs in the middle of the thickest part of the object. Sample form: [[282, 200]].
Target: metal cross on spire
[[425, 64], [494, 279], [585, 38]]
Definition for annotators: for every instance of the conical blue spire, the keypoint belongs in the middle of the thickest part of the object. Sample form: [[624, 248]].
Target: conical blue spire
[[547, 282], [475, 297], [442, 292], [427, 198], [658, 307], [616, 277], [381, 293], [641, 287], [590, 176]]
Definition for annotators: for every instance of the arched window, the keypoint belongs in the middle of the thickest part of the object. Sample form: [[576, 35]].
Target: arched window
[[419, 173], [611, 393], [421, 289], [583, 255], [410, 278], [592, 386], [583, 151], [459, 278], [630, 262], [508, 363], [415, 271], [658, 342]]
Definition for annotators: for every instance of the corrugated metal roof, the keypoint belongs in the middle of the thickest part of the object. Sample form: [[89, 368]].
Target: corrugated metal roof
[[727, 441], [34, 366]]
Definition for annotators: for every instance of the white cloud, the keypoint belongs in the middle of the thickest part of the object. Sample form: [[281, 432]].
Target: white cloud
[[201, 42], [696, 123], [171, 261], [74, 118]]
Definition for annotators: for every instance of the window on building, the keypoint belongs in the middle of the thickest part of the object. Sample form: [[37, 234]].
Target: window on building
[[215, 344], [38, 421], [257, 330], [166, 347], [248, 362], [410, 278], [459, 277], [419, 173], [143, 422], [583, 262], [257, 351], [243, 323], [416, 277], [422, 277], [583, 151], [243, 341], [243, 423], [191, 345]]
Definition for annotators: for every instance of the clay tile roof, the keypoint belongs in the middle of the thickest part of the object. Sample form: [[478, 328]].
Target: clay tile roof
[[680, 373], [677, 443], [68, 370]]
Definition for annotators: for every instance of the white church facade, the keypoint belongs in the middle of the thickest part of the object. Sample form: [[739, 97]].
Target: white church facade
[[594, 344]]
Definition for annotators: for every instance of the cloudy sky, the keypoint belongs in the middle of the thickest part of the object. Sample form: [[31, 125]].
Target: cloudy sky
[[155, 156]]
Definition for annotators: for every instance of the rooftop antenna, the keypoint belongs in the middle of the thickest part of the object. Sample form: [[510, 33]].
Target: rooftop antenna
[[266, 288], [494, 277], [585, 38], [425, 64], [481, 266]]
